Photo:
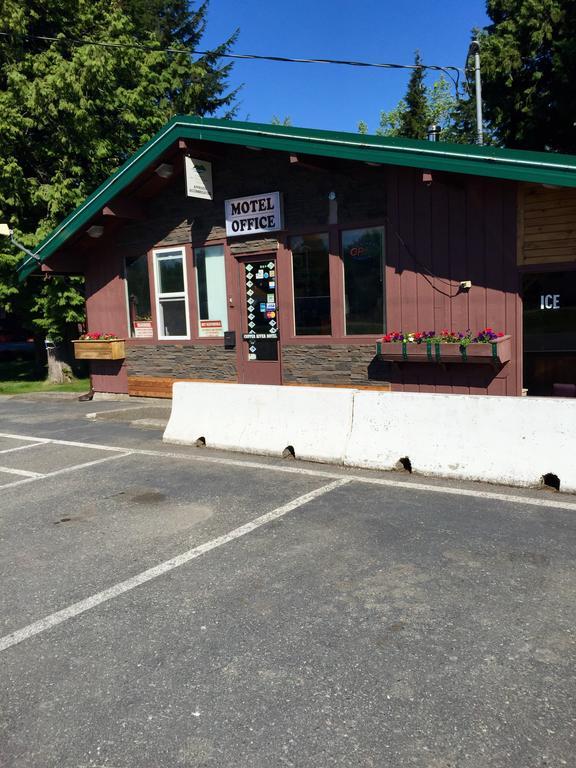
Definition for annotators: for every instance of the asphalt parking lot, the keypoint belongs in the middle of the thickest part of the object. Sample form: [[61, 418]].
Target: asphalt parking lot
[[164, 606]]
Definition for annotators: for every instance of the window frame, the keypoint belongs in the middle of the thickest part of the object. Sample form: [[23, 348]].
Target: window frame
[[157, 256], [129, 330], [196, 290], [293, 331], [341, 231], [336, 270]]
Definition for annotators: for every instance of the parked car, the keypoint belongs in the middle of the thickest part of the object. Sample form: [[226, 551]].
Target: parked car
[[15, 343]]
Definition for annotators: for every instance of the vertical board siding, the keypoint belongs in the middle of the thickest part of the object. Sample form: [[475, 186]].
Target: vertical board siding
[[424, 288], [458, 228], [106, 312]]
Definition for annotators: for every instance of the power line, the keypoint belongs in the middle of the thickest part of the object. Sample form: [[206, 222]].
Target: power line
[[452, 72]]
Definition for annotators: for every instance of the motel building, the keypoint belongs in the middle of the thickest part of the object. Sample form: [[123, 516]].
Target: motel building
[[239, 252]]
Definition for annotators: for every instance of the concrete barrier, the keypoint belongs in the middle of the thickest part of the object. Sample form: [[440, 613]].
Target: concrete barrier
[[315, 421], [509, 440]]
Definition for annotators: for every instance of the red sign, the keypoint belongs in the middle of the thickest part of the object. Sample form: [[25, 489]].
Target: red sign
[[210, 327], [143, 329]]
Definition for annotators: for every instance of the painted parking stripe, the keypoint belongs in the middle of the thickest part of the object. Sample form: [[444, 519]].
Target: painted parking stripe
[[34, 476], [158, 570], [12, 436], [413, 485], [22, 447], [530, 501], [45, 440], [22, 472]]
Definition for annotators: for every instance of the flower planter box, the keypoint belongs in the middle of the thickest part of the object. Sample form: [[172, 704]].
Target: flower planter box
[[495, 352], [88, 349]]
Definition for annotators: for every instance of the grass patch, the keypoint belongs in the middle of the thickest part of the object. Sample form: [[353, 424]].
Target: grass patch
[[21, 376]]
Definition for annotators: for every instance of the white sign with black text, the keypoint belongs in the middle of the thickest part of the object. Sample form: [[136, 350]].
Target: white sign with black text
[[198, 178], [252, 215]]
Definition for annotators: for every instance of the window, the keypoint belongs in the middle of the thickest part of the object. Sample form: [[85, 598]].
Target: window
[[138, 296], [311, 277], [171, 295], [211, 290], [363, 256]]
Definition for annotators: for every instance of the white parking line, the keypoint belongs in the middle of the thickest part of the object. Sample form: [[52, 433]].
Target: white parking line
[[22, 447], [530, 501], [33, 476], [45, 440], [24, 472], [158, 570], [12, 436]]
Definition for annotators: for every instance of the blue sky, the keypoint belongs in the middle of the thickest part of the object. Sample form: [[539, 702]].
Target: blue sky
[[328, 96]]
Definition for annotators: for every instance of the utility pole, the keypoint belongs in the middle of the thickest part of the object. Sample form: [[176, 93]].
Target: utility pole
[[474, 50]]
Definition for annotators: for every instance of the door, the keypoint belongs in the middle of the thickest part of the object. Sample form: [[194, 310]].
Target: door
[[258, 347], [550, 333]]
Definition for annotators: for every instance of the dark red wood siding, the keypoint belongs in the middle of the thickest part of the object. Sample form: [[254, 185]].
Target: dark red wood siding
[[106, 313], [457, 228]]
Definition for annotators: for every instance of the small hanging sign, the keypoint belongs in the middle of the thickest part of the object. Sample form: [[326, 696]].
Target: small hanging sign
[[211, 328], [143, 329], [198, 178]]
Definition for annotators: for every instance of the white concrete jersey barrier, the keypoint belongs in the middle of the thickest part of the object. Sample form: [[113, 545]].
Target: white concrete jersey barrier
[[263, 419], [509, 440]]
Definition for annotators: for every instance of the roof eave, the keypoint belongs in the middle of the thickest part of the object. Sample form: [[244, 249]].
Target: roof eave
[[521, 167]]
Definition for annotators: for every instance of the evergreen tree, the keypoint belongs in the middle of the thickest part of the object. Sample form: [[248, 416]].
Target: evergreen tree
[[414, 119], [441, 108], [528, 58], [71, 112]]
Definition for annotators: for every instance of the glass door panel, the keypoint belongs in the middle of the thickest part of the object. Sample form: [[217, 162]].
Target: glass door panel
[[550, 333], [261, 310]]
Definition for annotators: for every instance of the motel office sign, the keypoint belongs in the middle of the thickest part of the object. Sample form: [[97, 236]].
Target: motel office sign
[[251, 215]]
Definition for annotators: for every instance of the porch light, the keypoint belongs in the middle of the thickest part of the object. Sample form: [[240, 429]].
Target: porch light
[[164, 170], [5, 231], [95, 231]]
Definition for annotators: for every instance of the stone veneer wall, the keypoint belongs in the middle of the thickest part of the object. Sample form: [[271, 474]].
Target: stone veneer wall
[[333, 364], [181, 361]]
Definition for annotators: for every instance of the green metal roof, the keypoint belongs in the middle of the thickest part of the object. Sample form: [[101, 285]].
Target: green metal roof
[[516, 165]]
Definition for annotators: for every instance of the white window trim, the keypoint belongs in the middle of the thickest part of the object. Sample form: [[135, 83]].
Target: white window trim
[[178, 295]]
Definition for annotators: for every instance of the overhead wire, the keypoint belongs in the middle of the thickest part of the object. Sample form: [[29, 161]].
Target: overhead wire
[[453, 73]]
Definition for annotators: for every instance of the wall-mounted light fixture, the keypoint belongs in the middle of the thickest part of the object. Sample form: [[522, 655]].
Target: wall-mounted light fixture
[[164, 170], [95, 231], [6, 231]]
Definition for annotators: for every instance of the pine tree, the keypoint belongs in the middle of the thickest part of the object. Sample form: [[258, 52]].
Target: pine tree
[[528, 59], [71, 112], [414, 120]]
